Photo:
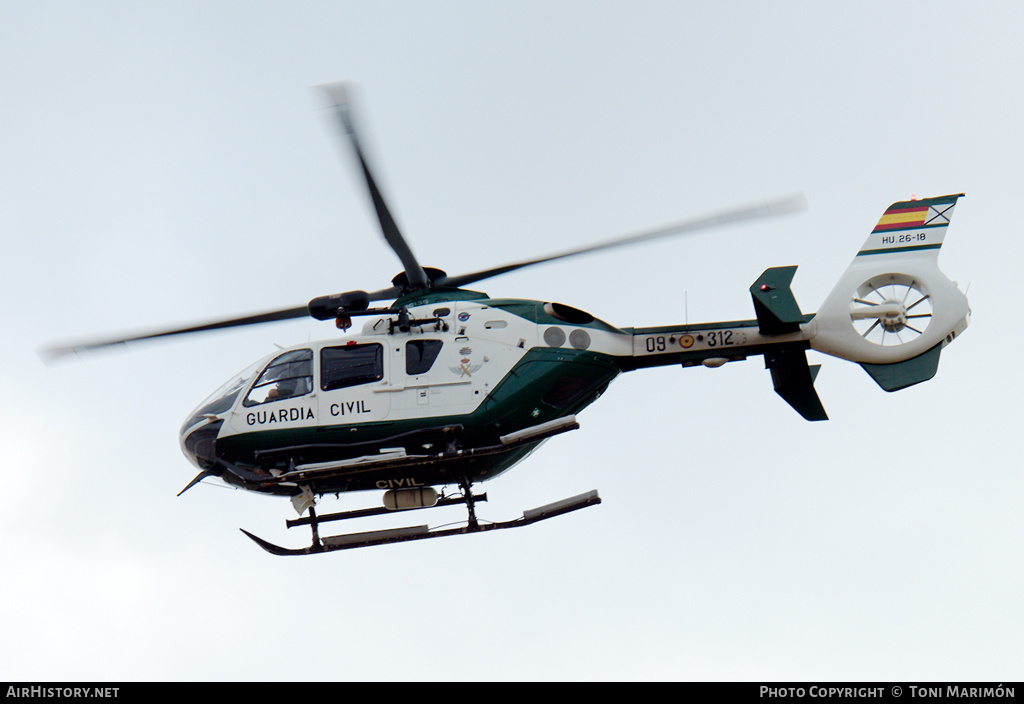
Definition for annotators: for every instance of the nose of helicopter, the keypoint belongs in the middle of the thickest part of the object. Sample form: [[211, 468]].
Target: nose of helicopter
[[198, 438]]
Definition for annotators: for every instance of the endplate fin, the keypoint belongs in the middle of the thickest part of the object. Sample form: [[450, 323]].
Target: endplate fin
[[794, 381], [776, 308]]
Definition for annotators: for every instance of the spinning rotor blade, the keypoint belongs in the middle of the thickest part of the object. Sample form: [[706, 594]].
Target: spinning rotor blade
[[782, 206], [342, 306], [53, 353], [415, 274], [321, 308]]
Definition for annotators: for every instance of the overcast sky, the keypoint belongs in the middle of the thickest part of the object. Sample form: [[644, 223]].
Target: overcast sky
[[167, 162]]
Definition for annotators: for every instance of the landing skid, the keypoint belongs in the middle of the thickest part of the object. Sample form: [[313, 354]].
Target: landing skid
[[423, 532]]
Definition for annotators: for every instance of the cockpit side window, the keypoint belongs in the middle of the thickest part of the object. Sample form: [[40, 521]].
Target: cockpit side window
[[350, 365], [420, 355], [287, 376]]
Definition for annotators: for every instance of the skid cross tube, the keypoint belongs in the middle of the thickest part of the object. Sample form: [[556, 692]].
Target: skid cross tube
[[363, 513]]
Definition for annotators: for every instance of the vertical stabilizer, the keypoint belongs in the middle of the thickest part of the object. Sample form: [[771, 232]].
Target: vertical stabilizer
[[893, 304]]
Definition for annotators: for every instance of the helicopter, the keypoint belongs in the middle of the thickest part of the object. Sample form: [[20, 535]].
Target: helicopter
[[444, 386]]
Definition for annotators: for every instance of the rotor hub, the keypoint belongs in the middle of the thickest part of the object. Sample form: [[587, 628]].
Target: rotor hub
[[402, 279], [895, 318]]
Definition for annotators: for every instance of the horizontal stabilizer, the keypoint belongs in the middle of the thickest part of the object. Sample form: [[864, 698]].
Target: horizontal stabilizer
[[776, 308], [794, 381], [893, 377]]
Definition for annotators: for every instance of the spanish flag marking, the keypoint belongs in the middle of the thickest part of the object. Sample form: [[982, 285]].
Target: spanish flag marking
[[902, 218]]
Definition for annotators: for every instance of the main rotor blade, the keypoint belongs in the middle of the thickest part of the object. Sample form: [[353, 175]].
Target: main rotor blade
[[417, 278], [766, 209], [52, 353]]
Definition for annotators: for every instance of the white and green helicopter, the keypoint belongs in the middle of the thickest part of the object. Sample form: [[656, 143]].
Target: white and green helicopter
[[446, 387]]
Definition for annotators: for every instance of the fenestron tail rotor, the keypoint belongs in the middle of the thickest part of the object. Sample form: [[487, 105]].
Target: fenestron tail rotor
[[891, 309]]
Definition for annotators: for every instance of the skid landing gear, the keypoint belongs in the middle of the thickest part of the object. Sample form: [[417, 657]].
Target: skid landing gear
[[399, 535]]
